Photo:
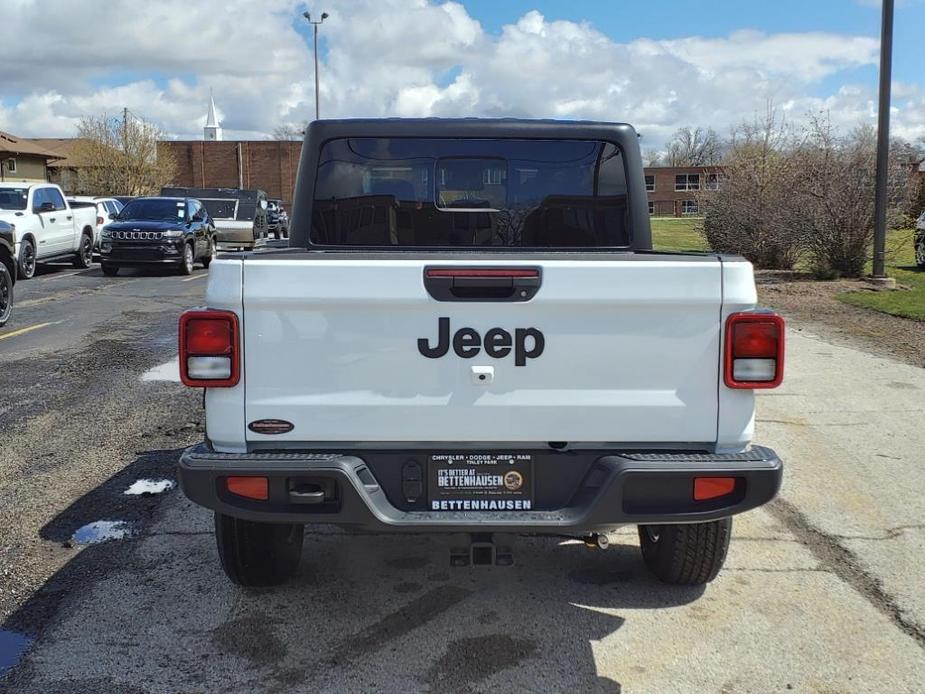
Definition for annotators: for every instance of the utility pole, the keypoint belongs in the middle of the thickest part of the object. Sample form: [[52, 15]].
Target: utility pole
[[315, 25], [883, 140], [125, 130]]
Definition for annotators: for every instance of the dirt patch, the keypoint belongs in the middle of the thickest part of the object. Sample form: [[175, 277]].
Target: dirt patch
[[814, 306]]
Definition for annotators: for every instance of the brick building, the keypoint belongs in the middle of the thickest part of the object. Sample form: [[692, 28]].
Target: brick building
[[673, 190], [269, 165]]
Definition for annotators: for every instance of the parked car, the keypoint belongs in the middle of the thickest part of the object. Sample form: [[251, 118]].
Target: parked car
[[46, 226], [105, 208], [158, 231], [470, 334], [277, 219], [920, 241], [7, 270], [240, 216]]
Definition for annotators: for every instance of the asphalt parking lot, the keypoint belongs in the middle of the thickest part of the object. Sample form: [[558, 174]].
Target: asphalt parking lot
[[822, 592]]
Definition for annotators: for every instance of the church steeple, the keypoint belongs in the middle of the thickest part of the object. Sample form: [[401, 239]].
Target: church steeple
[[212, 131]]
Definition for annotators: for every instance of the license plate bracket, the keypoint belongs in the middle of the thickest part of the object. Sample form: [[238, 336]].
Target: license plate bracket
[[484, 482]]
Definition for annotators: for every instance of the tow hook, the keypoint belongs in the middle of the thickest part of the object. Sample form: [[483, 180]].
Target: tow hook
[[482, 551], [596, 541]]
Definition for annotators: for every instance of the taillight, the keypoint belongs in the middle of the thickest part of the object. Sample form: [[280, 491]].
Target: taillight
[[754, 355], [99, 220], [209, 349]]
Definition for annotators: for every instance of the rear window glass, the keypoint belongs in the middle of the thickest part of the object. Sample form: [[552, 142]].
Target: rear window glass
[[438, 193], [220, 209]]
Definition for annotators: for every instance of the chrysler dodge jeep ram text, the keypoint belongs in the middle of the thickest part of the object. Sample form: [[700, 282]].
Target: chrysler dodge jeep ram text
[[470, 333]]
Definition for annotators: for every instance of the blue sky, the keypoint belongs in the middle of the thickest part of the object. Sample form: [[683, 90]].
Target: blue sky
[[659, 64], [623, 21]]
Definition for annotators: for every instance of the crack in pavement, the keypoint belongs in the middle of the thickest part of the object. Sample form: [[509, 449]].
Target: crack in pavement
[[842, 562], [891, 533]]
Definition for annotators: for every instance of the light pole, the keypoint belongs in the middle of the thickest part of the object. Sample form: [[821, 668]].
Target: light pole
[[883, 140], [315, 25]]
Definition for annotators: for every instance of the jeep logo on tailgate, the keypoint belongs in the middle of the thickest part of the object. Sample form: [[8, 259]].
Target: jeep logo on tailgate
[[498, 343]]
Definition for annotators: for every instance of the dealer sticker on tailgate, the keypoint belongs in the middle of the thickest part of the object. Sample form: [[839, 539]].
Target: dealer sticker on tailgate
[[480, 482]]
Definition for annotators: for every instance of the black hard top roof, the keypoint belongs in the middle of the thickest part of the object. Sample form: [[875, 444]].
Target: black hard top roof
[[470, 127]]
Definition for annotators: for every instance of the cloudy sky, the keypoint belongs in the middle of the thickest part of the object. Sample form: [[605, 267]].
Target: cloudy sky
[[659, 64]]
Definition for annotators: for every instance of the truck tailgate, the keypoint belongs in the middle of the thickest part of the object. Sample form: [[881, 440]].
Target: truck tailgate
[[631, 352]]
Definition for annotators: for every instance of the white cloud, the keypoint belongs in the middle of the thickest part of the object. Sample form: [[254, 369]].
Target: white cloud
[[406, 58]]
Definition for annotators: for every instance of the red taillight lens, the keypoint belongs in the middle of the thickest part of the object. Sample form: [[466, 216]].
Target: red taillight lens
[[209, 349], [209, 336], [99, 220], [754, 353]]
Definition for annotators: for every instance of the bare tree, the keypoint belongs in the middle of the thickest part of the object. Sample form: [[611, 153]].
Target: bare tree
[[652, 157], [694, 147], [121, 156], [289, 131], [835, 194], [752, 212]]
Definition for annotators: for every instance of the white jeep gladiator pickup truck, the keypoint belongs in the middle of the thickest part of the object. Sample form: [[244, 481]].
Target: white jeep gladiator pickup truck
[[470, 333], [47, 228]]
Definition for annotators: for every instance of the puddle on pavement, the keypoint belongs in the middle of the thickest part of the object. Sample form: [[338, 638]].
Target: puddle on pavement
[[12, 647], [169, 371], [145, 487], [101, 531]]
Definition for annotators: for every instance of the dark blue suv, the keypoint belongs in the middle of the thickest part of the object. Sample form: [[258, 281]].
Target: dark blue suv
[[158, 231]]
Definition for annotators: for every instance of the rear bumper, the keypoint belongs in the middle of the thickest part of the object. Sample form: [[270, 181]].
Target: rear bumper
[[618, 489]]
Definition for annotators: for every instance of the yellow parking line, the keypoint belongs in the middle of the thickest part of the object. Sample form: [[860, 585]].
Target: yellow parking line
[[196, 277], [21, 331]]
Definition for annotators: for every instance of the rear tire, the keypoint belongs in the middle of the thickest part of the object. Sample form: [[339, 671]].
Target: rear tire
[[258, 554], [6, 294], [920, 250], [109, 270], [208, 259], [84, 256], [688, 554]]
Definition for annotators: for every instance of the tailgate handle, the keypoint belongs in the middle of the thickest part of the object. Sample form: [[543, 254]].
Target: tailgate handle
[[482, 283]]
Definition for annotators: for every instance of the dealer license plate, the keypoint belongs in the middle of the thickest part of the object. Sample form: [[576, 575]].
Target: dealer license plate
[[480, 482]]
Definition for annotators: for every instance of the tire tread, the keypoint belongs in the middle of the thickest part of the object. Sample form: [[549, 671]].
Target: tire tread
[[689, 553]]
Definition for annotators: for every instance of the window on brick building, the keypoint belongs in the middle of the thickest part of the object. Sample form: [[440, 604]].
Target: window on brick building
[[687, 182], [689, 207], [651, 207], [650, 183], [711, 182]]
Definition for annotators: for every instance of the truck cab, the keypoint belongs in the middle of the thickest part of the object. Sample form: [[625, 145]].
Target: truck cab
[[47, 228], [471, 333]]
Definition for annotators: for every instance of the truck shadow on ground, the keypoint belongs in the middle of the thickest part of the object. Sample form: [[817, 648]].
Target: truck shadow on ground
[[364, 613]]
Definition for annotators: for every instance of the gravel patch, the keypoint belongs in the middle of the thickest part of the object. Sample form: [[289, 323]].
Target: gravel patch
[[812, 304]]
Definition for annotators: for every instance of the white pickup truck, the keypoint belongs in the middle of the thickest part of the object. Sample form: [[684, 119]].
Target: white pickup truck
[[470, 333], [47, 228]]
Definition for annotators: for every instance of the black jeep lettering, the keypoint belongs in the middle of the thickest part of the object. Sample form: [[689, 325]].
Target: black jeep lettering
[[520, 345], [498, 343], [443, 341], [467, 343]]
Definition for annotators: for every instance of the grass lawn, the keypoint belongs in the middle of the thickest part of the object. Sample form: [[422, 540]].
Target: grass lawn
[[900, 263], [677, 234]]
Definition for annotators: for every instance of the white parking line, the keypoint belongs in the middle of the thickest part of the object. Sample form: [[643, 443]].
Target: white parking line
[[196, 277], [59, 276]]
